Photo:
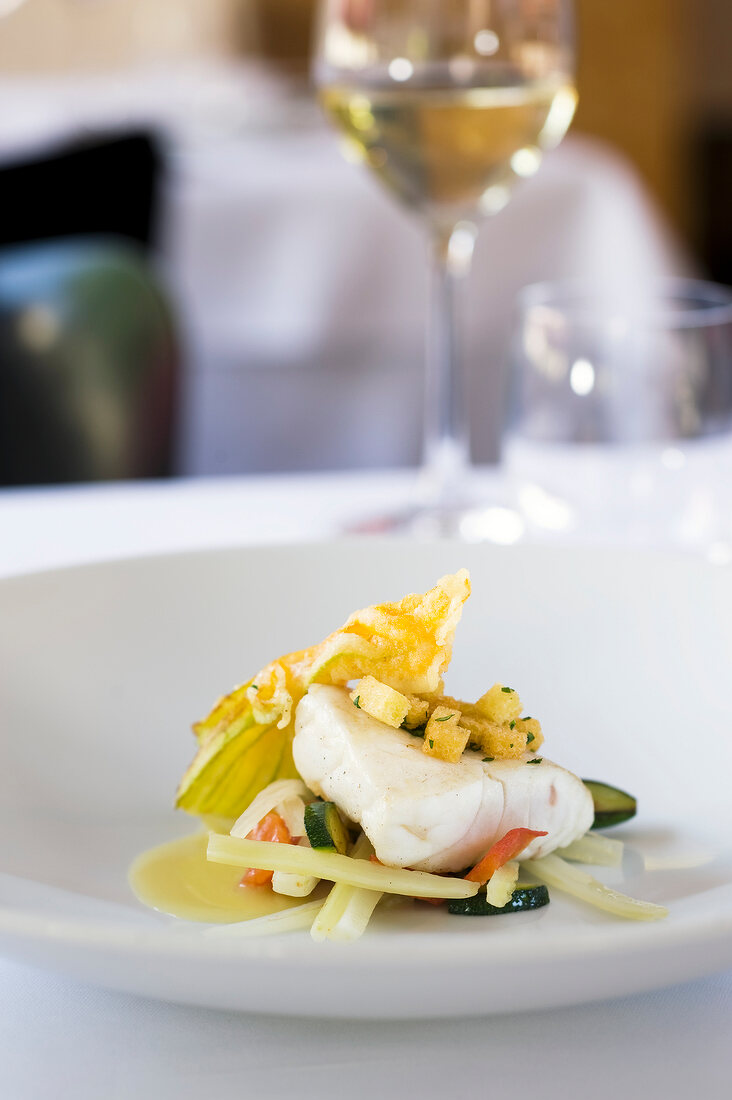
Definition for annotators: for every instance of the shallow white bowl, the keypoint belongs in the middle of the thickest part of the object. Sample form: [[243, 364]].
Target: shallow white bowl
[[625, 657]]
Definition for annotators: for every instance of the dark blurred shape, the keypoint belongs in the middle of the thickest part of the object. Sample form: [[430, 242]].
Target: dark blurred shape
[[88, 365], [714, 162], [100, 187], [88, 360]]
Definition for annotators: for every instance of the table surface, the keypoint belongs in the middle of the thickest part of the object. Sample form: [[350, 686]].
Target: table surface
[[60, 1039]]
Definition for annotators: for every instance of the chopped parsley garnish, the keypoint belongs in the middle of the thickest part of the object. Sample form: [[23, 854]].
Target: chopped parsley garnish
[[473, 747], [357, 702], [529, 738], [417, 733], [488, 759], [445, 719], [432, 744], [255, 687], [536, 760], [512, 725], [511, 745], [507, 691]]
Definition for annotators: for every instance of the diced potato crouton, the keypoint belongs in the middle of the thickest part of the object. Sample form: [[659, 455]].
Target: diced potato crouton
[[500, 705], [491, 737], [381, 702], [532, 728], [453, 704], [499, 742], [453, 724], [477, 727], [418, 712], [444, 737], [503, 743]]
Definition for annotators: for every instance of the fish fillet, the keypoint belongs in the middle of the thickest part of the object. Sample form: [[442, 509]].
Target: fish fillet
[[422, 812]]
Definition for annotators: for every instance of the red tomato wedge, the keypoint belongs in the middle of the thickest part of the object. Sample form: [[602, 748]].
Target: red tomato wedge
[[273, 829], [502, 852]]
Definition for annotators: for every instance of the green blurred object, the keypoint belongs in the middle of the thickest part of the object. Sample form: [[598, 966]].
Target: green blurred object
[[88, 365]]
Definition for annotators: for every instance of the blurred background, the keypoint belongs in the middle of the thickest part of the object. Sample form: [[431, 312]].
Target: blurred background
[[194, 282]]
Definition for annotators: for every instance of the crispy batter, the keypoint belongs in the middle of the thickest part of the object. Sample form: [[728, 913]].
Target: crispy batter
[[406, 646]]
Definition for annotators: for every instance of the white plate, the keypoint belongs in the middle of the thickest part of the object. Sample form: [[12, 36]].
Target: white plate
[[625, 657]]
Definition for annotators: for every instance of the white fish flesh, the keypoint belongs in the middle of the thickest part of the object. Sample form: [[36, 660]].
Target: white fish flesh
[[422, 812]]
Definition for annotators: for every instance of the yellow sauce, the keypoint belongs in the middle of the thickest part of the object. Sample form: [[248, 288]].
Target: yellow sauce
[[177, 879]]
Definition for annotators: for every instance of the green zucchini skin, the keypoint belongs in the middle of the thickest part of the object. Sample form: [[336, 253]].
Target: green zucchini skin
[[325, 830], [612, 806], [524, 898]]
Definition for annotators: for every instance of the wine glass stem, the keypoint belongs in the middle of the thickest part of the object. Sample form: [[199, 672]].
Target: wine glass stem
[[446, 439]]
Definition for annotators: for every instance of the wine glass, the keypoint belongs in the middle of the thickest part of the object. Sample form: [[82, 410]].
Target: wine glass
[[450, 103], [620, 425]]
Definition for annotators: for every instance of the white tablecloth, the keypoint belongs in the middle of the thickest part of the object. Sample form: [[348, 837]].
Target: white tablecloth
[[63, 1041]]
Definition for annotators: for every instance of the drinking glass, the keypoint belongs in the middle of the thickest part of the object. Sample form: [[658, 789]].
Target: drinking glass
[[450, 103], [620, 426]]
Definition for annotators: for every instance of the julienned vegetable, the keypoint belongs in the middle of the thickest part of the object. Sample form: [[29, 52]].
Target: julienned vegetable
[[268, 799], [348, 909], [336, 868], [297, 919], [600, 851], [553, 871], [501, 886]]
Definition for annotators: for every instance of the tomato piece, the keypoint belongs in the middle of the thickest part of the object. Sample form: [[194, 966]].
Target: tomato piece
[[503, 851], [273, 829]]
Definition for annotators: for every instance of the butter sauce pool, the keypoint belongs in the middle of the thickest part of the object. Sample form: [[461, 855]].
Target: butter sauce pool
[[178, 880]]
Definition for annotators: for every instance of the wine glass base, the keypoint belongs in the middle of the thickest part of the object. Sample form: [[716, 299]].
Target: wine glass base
[[498, 523]]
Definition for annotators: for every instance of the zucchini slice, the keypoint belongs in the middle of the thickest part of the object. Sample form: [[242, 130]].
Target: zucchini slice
[[612, 806], [326, 832], [523, 898]]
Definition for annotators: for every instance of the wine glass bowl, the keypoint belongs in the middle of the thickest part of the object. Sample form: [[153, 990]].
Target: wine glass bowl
[[450, 103]]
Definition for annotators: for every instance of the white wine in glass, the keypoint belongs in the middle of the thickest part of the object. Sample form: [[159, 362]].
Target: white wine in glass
[[450, 103]]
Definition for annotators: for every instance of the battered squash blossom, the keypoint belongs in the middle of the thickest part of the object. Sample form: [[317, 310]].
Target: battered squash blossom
[[246, 741]]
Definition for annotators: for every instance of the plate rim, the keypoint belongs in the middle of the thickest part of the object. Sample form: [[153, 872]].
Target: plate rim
[[677, 555]]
